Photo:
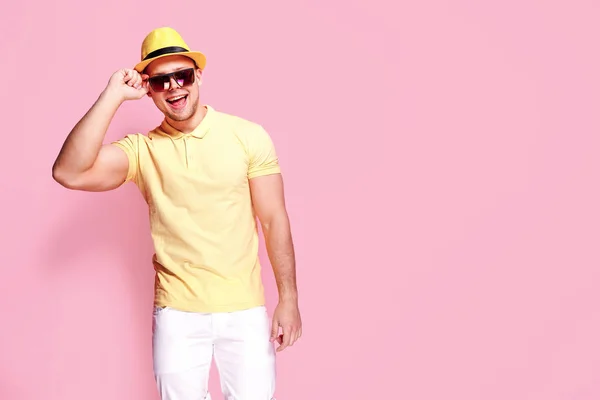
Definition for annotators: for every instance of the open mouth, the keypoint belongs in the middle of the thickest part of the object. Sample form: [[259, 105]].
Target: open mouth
[[177, 101]]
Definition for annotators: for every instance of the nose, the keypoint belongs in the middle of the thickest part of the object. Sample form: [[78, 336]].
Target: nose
[[173, 84]]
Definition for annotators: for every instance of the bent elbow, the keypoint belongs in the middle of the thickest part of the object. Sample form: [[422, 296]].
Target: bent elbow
[[63, 178], [58, 175]]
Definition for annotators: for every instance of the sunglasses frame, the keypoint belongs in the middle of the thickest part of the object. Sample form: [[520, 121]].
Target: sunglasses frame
[[171, 76]]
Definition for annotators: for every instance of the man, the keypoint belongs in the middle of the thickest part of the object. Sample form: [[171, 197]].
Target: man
[[206, 176]]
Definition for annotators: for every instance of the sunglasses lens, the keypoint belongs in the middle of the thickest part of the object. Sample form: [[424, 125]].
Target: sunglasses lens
[[161, 83], [185, 77]]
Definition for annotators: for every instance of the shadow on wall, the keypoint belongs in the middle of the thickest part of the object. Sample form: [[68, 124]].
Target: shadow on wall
[[96, 259], [104, 238], [10, 390], [99, 226]]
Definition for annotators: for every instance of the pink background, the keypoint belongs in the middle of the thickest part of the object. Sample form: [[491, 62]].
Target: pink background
[[442, 169]]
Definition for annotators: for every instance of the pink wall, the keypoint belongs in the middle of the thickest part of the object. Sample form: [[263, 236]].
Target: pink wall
[[442, 173]]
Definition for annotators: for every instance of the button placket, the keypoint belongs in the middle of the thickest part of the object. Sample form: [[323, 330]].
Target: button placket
[[187, 151]]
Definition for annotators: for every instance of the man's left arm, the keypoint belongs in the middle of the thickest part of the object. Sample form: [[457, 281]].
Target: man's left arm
[[269, 204]]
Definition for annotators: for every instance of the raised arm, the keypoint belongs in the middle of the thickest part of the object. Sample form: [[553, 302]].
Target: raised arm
[[83, 162]]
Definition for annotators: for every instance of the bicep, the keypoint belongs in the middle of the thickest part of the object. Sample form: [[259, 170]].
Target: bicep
[[110, 170], [268, 196]]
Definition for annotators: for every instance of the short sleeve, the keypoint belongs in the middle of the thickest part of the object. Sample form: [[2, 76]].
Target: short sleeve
[[262, 154], [130, 145]]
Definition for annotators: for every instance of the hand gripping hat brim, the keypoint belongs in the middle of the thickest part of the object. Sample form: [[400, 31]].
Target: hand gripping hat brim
[[164, 42]]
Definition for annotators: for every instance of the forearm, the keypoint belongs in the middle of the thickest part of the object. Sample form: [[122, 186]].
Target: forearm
[[280, 249], [82, 145]]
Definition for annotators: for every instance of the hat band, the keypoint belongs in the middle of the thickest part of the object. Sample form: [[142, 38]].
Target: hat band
[[166, 50]]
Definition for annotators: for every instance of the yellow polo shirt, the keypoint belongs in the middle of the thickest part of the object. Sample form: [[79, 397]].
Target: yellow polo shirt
[[202, 221]]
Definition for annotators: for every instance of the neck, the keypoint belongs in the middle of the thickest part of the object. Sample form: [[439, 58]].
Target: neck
[[191, 123]]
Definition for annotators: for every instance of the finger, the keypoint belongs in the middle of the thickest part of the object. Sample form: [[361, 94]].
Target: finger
[[291, 337], [136, 82], [286, 338], [295, 336], [128, 76], [274, 330], [296, 333], [134, 79]]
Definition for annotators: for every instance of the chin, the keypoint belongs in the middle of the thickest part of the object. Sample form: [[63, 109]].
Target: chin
[[181, 115]]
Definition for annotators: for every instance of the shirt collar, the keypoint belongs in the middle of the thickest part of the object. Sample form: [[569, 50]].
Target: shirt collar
[[165, 129]]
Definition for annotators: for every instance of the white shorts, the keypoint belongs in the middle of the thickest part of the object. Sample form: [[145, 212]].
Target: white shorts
[[184, 344]]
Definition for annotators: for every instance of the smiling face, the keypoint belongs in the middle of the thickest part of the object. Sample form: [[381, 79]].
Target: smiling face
[[177, 96]]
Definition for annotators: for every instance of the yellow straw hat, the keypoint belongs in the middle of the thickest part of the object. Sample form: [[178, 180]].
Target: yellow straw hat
[[163, 42]]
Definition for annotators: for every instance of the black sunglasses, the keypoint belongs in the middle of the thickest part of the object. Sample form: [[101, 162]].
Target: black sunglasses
[[161, 83]]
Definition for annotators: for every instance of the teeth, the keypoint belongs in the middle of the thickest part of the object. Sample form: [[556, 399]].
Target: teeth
[[177, 98]]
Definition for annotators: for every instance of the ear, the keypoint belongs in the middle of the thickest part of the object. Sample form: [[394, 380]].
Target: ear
[[199, 76]]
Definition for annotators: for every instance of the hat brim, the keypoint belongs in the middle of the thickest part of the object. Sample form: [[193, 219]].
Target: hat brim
[[197, 57]]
